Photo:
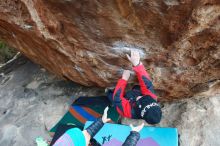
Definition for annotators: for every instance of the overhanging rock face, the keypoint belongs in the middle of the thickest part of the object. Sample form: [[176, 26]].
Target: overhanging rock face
[[86, 41]]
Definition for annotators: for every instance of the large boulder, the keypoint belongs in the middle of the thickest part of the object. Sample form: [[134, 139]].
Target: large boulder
[[33, 101], [86, 41]]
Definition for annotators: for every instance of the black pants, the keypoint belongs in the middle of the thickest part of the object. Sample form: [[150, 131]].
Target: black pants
[[129, 95]]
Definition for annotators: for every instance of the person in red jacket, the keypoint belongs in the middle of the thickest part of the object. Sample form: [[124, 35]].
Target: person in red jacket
[[141, 101]]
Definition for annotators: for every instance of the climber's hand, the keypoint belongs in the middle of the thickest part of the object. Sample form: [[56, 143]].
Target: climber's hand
[[126, 74], [137, 128], [134, 58], [105, 118]]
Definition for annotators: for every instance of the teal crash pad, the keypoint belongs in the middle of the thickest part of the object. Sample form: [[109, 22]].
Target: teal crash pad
[[116, 134]]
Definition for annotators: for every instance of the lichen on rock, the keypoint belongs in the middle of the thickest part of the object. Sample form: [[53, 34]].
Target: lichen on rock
[[6, 53]]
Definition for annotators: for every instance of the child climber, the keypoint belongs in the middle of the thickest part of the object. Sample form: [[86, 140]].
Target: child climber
[[141, 101]]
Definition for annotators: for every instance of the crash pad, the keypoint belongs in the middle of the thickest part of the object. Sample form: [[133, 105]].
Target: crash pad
[[86, 109], [116, 134]]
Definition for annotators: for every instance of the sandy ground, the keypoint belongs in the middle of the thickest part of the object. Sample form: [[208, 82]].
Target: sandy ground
[[33, 100]]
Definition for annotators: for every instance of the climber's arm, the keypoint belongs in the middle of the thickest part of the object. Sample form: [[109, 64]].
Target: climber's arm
[[122, 105], [134, 135], [143, 77], [144, 81], [94, 128], [132, 139]]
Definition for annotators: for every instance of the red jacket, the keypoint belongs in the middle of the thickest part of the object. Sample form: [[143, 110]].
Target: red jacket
[[123, 106]]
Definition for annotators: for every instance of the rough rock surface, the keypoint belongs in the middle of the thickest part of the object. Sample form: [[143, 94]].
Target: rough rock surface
[[33, 100], [85, 41]]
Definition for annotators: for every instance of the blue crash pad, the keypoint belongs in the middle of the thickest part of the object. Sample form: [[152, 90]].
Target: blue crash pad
[[115, 135]]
